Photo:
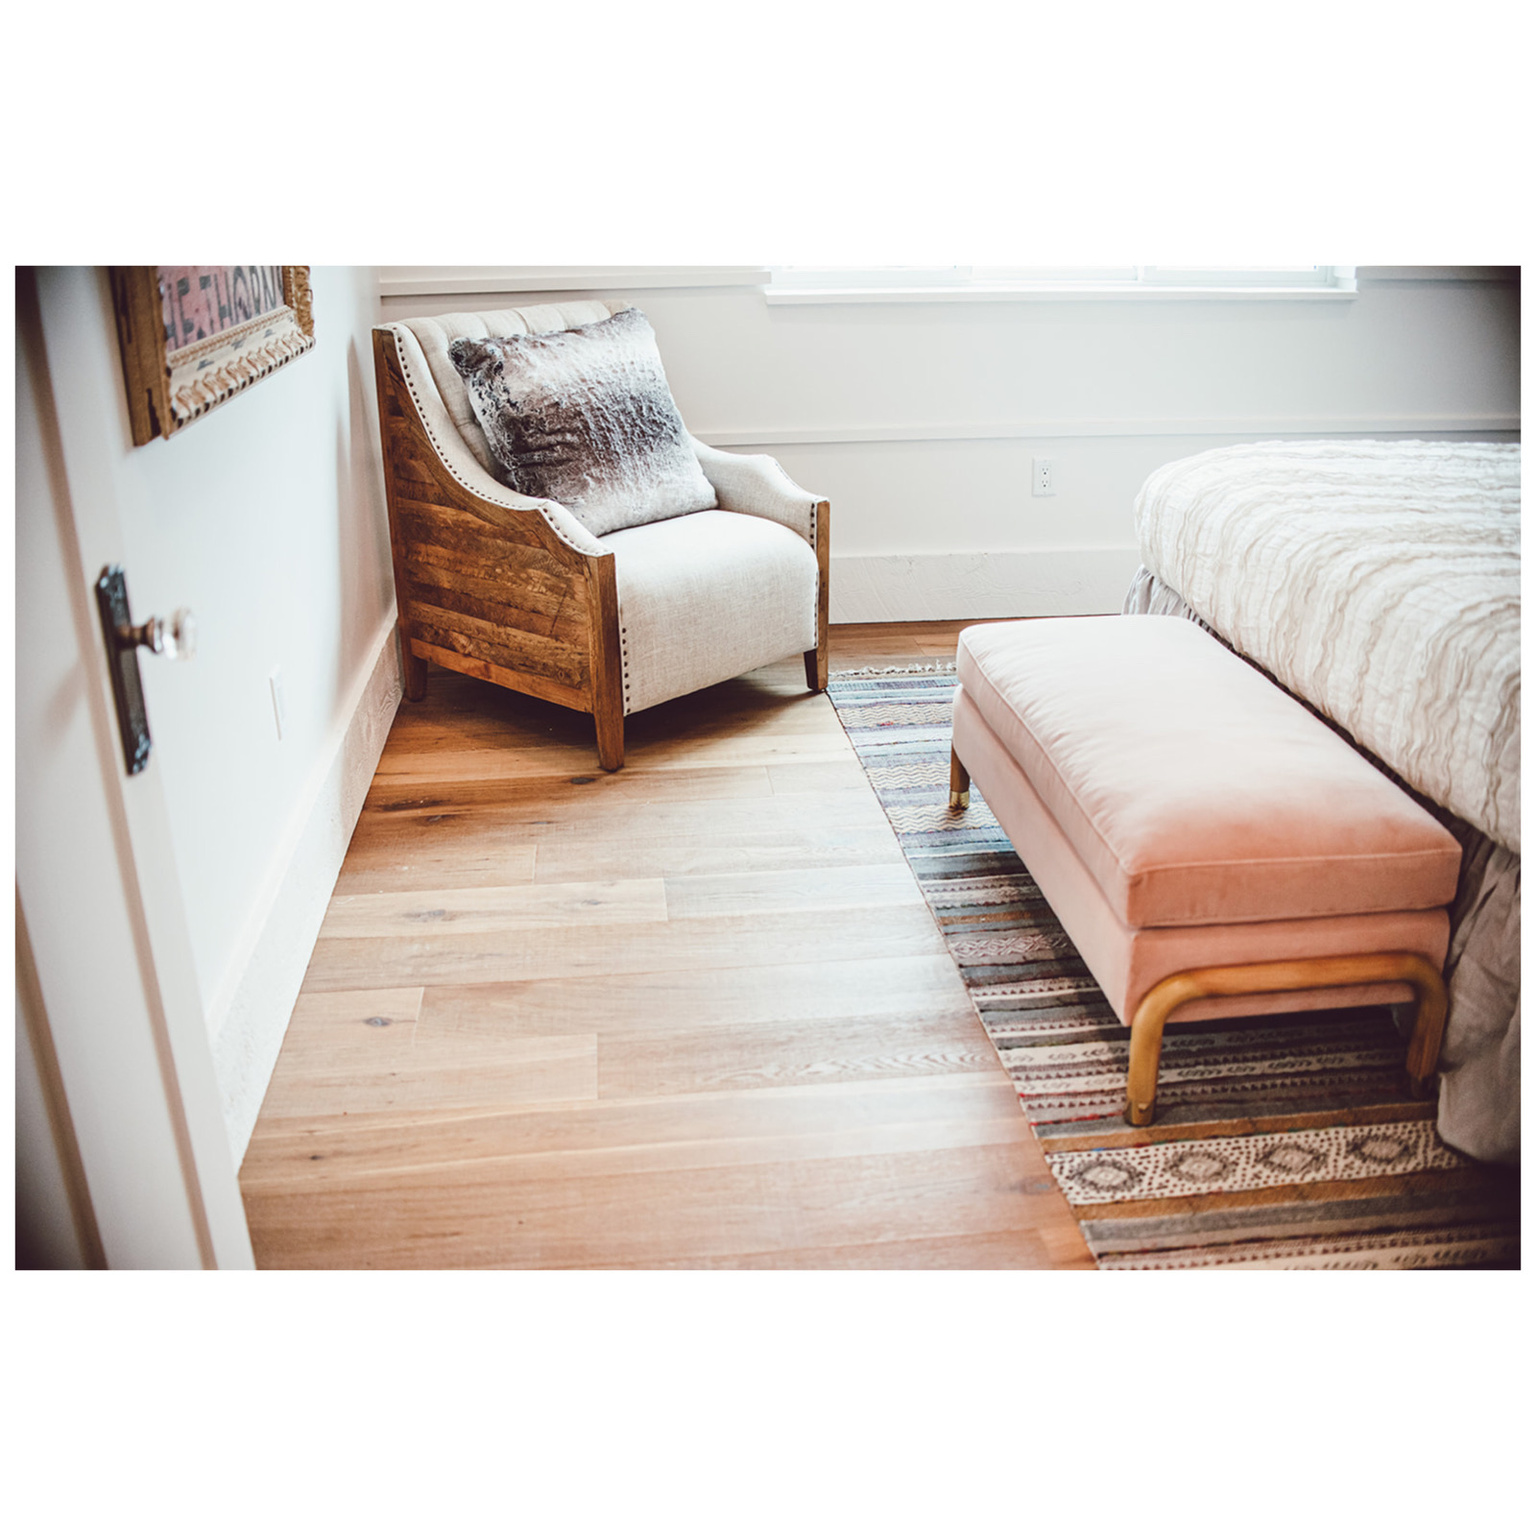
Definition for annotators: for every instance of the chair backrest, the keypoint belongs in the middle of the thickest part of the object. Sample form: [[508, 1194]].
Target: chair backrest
[[433, 334]]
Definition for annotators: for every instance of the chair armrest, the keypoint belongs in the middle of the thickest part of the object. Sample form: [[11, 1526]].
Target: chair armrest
[[462, 465], [757, 484]]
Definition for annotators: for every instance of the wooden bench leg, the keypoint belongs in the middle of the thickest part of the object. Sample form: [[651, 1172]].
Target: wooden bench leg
[[1285, 976], [959, 783]]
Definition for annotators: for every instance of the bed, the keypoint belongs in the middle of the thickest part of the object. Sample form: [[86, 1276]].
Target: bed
[[1379, 582]]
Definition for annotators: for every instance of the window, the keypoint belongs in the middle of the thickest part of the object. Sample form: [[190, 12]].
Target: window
[[826, 285]]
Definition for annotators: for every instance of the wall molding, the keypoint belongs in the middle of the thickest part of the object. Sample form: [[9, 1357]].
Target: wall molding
[[1108, 426], [1437, 274], [1054, 293], [249, 1016], [426, 282], [893, 589], [420, 282], [1344, 286]]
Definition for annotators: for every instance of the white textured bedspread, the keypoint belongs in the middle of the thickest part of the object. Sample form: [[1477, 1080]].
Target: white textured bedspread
[[1380, 581]]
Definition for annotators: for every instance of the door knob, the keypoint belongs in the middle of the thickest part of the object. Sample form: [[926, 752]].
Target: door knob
[[175, 637]]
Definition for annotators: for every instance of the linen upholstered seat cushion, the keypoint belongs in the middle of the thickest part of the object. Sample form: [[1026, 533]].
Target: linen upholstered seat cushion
[[584, 417], [708, 596], [1193, 789]]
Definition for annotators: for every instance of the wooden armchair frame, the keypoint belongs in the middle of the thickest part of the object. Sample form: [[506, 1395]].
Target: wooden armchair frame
[[496, 593]]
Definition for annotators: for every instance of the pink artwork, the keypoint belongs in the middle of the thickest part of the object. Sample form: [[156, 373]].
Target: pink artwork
[[199, 302]]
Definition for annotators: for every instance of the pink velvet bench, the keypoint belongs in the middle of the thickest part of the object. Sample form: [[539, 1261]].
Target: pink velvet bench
[[1210, 847]]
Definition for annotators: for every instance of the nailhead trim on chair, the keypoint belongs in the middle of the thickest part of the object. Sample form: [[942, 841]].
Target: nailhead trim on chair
[[442, 458], [815, 591], [624, 663]]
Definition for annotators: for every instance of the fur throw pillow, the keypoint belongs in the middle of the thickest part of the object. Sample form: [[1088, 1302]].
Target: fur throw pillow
[[584, 417]]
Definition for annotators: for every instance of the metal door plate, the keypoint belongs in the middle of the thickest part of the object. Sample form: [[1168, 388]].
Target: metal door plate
[[123, 664]]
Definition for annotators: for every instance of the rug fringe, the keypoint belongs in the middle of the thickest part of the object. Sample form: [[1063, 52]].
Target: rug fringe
[[909, 670]]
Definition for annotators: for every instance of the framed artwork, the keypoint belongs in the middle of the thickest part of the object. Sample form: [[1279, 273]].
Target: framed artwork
[[194, 337]]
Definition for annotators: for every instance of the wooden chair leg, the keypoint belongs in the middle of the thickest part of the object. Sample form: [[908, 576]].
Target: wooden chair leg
[[607, 654], [816, 669], [610, 735], [959, 783], [1284, 976], [821, 541], [414, 672]]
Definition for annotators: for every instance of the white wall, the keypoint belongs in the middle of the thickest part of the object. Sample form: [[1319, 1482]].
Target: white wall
[[919, 421], [267, 518]]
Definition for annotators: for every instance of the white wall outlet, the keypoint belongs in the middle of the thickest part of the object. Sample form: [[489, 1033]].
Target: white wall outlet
[[1045, 477], [279, 704]]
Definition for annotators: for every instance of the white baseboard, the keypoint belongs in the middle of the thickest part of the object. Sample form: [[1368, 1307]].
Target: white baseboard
[[893, 589], [250, 1017]]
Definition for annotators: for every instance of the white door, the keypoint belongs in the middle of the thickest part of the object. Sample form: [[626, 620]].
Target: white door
[[115, 1015]]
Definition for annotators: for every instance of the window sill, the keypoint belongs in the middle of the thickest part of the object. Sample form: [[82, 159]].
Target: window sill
[[430, 282], [1032, 293]]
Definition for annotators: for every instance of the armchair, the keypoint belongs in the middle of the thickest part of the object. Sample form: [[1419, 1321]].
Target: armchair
[[515, 590]]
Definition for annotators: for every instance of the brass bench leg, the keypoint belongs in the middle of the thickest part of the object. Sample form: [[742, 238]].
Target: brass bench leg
[[959, 783], [1285, 976]]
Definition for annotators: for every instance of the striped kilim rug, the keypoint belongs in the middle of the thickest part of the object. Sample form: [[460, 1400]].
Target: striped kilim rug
[[1282, 1142]]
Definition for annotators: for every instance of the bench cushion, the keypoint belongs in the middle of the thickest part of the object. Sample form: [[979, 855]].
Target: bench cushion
[[1193, 789], [1128, 962]]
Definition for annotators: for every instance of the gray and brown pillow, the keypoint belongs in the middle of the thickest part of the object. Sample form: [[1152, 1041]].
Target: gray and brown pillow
[[584, 417]]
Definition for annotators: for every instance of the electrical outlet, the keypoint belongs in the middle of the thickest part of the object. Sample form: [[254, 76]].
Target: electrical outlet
[[1045, 477], [279, 704]]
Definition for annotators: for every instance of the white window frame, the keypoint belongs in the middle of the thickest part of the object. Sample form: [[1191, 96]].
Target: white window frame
[[917, 285]]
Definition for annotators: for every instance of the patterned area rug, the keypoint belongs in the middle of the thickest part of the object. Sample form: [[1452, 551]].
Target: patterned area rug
[[1283, 1142]]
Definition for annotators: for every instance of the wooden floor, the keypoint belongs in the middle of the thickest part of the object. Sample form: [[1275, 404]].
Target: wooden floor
[[693, 1014]]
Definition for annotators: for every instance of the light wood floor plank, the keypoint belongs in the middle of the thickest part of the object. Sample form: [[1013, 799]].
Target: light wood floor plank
[[376, 864], [659, 1063], [417, 1071], [449, 845], [495, 909], [568, 794], [803, 777], [758, 892], [735, 1001], [957, 1250], [373, 1053], [483, 1218], [700, 853], [687, 1130], [442, 821], [690, 943]]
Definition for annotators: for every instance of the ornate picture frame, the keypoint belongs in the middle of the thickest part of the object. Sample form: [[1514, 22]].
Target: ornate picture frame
[[194, 337]]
